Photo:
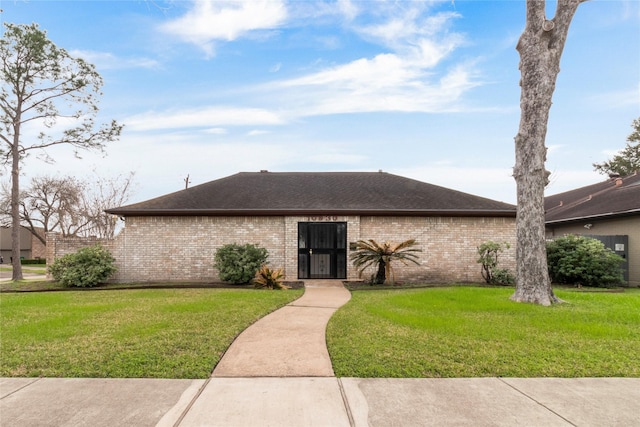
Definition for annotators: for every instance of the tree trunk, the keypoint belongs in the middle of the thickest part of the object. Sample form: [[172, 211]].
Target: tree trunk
[[15, 208], [381, 275], [540, 48]]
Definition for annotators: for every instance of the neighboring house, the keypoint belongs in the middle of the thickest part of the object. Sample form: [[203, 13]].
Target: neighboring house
[[608, 211], [309, 223], [30, 245]]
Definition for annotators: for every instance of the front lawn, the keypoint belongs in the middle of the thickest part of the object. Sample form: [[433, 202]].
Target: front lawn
[[478, 332], [152, 333]]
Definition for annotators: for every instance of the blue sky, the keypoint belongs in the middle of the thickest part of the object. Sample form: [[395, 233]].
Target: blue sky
[[423, 89]]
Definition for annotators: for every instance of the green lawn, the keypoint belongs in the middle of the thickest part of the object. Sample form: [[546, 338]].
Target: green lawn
[[433, 332], [478, 332], [158, 333]]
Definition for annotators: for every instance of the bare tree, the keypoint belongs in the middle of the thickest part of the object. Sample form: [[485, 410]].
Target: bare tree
[[42, 83], [48, 204], [540, 48], [70, 206], [100, 195]]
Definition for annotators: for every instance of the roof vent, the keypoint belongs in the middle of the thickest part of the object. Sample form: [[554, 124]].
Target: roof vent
[[618, 182], [263, 171]]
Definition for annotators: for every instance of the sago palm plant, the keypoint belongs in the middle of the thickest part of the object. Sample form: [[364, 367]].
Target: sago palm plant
[[371, 253], [270, 279]]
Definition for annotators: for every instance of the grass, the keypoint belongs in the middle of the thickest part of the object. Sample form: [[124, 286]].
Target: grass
[[151, 333], [478, 332]]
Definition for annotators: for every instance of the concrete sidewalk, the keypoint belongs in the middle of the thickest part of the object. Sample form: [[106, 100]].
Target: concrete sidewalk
[[278, 373], [324, 401]]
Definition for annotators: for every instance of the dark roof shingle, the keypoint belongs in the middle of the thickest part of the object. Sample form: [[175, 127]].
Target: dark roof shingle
[[278, 193], [610, 198]]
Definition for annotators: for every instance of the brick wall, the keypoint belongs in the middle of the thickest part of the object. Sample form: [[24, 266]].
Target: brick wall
[[449, 244], [182, 248]]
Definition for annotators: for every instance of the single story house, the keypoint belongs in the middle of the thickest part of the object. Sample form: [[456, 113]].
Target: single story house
[[608, 211], [309, 223]]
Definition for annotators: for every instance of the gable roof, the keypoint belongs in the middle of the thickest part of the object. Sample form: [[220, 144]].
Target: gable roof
[[615, 197], [309, 193]]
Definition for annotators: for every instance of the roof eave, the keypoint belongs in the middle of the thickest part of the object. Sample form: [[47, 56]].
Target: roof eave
[[315, 212], [607, 215]]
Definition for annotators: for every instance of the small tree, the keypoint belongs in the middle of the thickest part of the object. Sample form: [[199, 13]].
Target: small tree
[[488, 258], [371, 253], [238, 264], [627, 161], [583, 261], [42, 83], [86, 268]]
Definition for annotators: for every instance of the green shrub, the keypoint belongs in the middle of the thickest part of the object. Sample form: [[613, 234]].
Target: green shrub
[[269, 279], [37, 261], [488, 257], [238, 263], [86, 268], [503, 276], [583, 261]]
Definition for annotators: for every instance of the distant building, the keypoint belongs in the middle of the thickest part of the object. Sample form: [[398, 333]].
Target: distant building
[[608, 211], [30, 246]]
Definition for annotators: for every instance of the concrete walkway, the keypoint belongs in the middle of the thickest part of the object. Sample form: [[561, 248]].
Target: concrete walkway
[[251, 386], [289, 342]]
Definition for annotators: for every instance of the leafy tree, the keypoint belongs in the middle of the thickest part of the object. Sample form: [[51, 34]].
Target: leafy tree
[[42, 83], [584, 261], [238, 264], [627, 161], [488, 253], [371, 253], [540, 48]]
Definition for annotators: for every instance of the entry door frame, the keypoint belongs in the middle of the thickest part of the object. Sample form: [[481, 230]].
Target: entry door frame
[[322, 250]]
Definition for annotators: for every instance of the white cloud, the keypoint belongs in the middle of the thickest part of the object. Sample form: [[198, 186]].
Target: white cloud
[[216, 131], [211, 20], [616, 99], [109, 61], [208, 117]]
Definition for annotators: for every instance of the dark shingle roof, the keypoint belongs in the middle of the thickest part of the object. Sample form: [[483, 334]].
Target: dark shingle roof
[[307, 193], [611, 198]]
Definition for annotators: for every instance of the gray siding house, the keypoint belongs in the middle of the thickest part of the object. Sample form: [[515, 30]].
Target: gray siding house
[[608, 211]]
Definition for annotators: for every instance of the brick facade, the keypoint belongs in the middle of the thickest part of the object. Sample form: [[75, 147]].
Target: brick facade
[[174, 248]]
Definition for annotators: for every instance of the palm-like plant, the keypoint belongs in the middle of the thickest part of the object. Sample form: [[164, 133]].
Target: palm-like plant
[[370, 253], [270, 279]]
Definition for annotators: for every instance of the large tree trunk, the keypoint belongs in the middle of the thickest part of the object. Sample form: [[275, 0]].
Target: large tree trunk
[[540, 48]]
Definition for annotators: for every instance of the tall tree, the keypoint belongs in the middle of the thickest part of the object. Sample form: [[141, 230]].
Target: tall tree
[[540, 48], [627, 161], [42, 83]]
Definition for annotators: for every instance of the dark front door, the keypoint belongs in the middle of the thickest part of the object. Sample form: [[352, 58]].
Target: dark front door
[[322, 250]]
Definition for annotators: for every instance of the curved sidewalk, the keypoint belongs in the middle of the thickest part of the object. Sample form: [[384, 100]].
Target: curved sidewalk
[[291, 341]]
